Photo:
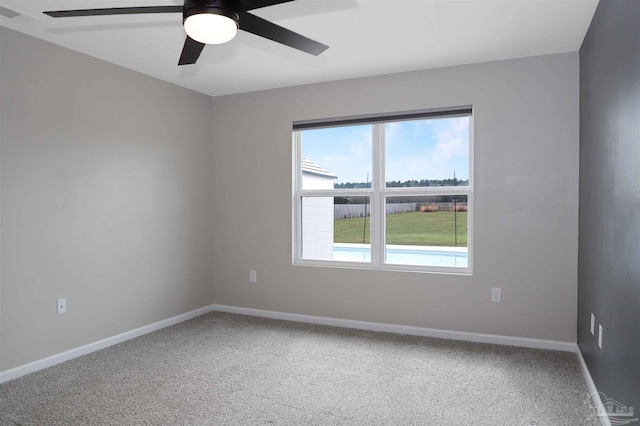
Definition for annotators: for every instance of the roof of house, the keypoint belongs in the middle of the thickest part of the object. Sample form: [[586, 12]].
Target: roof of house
[[309, 166]]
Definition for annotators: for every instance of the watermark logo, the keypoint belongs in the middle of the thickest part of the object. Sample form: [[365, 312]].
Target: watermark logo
[[617, 413]]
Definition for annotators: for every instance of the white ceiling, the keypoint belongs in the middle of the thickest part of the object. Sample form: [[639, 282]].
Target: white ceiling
[[366, 37]]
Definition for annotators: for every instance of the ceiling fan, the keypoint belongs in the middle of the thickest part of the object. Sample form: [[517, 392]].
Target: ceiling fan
[[213, 22]]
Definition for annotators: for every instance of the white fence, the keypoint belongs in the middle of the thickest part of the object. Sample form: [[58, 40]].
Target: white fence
[[345, 211]]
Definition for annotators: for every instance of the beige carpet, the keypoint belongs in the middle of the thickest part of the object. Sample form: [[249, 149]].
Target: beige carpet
[[224, 369]]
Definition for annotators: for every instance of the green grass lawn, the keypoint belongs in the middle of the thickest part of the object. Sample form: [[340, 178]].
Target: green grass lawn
[[415, 228]]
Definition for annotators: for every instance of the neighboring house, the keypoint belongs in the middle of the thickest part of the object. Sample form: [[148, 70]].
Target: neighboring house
[[317, 213], [315, 177]]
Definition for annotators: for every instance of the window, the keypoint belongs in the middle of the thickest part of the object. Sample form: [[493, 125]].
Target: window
[[385, 192]]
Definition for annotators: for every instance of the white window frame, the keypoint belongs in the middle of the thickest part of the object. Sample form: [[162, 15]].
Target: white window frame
[[378, 192]]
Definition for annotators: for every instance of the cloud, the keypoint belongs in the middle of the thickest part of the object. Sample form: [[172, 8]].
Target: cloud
[[429, 149], [344, 151], [453, 141], [393, 132], [425, 149]]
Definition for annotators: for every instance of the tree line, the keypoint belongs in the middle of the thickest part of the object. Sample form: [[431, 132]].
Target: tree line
[[426, 199], [405, 184]]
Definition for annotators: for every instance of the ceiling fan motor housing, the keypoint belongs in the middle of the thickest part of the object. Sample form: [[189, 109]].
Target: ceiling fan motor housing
[[216, 7]]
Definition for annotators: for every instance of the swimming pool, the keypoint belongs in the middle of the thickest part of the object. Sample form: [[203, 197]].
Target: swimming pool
[[456, 257]]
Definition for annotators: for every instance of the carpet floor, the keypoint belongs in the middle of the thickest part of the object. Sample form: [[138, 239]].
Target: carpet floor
[[225, 369]]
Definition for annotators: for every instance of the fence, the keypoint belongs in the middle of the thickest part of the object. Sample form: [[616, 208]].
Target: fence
[[345, 211]]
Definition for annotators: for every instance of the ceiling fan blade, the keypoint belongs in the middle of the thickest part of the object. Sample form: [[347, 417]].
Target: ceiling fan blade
[[190, 52], [114, 11], [266, 29], [244, 5]]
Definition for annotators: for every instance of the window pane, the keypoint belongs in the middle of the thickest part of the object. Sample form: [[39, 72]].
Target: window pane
[[430, 152], [427, 230], [337, 157], [336, 228]]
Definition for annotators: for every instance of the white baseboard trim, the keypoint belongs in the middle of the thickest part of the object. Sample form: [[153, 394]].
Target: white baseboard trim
[[593, 391], [404, 329], [52, 360]]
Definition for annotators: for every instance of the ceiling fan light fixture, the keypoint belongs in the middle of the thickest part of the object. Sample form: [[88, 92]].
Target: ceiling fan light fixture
[[211, 26]]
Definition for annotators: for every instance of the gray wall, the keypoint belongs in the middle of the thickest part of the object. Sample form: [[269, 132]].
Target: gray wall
[[609, 254], [526, 217], [108, 181], [106, 199]]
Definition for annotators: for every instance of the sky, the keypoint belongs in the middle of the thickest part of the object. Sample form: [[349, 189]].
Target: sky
[[421, 149]]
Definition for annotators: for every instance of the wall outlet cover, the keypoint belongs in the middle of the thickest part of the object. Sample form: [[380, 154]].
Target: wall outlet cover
[[496, 294]]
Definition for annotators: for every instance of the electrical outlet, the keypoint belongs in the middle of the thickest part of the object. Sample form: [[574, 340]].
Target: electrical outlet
[[593, 324], [62, 306], [600, 336], [252, 276], [496, 294]]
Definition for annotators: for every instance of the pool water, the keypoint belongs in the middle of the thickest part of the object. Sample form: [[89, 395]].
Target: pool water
[[431, 256]]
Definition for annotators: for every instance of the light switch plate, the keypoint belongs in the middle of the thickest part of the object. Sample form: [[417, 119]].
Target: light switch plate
[[600, 336], [62, 305]]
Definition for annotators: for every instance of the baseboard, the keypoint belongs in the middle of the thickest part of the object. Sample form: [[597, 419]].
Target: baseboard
[[52, 360], [593, 391], [404, 329]]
